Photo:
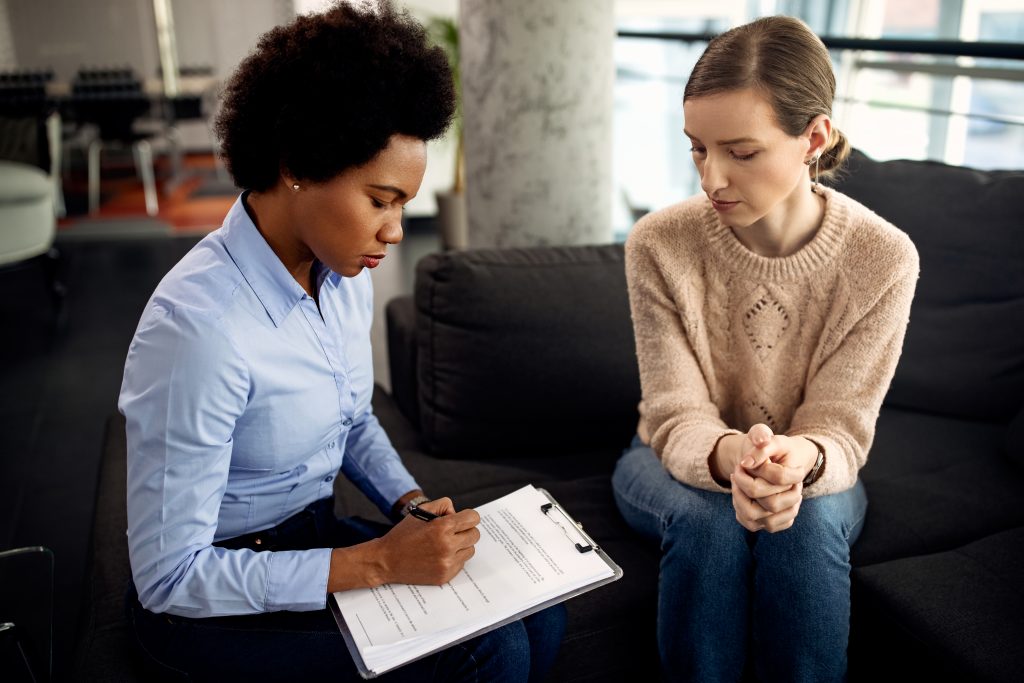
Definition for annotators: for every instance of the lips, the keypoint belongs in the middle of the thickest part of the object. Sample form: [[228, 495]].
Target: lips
[[721, 205], [372, 261]]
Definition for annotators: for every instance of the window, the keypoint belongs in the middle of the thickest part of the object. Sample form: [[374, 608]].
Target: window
[[954, 109]]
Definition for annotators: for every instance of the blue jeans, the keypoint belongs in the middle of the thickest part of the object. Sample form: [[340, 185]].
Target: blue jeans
[[732, 602], [292, 646]]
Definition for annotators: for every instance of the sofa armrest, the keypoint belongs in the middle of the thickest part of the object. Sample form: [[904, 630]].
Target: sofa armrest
[[401, 324]]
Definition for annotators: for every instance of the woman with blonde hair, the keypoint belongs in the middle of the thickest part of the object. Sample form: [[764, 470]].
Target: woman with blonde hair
[[769, 314]]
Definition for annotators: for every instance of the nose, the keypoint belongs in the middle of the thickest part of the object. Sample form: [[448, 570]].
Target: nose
[[712, 177], [391, 232]]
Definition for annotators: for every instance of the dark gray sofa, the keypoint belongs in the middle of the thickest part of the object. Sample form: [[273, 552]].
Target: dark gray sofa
[[517, 366]]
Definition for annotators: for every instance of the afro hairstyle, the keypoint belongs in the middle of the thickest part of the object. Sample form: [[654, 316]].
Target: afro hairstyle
[[327, 92]]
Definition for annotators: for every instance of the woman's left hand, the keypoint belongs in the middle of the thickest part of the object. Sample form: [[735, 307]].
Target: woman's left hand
[[781, 460]]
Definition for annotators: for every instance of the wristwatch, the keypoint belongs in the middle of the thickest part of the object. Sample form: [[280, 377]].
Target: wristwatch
[[411, 503], [812, 476]]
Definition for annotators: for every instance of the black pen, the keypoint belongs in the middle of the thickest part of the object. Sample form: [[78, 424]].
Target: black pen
[[420, 513]]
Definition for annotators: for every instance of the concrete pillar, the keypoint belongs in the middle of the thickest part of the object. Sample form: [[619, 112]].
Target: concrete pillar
[[537, 80]]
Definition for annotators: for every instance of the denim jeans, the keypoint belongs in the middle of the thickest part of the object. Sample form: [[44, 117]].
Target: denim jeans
[[732, 602], [291, 646]]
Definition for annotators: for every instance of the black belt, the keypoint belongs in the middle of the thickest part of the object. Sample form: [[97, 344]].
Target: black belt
[[298, 532]]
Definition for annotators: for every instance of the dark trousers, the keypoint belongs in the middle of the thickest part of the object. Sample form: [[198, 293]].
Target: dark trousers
[[289, 646]]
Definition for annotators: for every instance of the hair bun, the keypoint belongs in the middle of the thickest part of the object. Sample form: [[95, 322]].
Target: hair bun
[[835, 154]]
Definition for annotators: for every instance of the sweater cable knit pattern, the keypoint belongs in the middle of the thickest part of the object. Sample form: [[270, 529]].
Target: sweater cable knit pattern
[[726, 338]]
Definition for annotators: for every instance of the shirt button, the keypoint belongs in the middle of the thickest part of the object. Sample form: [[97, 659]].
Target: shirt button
[[330, 445], [346, 422], [328, 478]]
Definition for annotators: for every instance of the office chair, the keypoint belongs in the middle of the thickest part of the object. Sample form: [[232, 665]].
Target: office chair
[[30, 198], [112, 100], [23, 97]]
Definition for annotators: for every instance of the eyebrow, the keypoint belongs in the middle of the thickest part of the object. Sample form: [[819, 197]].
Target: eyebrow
[[732, 141], [399, 193]]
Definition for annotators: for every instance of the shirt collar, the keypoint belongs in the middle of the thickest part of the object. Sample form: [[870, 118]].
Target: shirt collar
[[273, 285], [323, 273]]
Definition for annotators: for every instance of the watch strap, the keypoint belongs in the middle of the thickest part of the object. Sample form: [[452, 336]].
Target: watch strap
[[815, 472]]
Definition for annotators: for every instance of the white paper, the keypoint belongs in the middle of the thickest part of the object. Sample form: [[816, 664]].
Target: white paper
[[524, 558]]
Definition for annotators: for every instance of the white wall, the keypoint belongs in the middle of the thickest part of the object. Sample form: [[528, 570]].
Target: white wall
[[7, 58], [67, 34], [440, 153], [215, 33]]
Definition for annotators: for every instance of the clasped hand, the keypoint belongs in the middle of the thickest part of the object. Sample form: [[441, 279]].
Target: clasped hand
[[429, 553], [767, 481]]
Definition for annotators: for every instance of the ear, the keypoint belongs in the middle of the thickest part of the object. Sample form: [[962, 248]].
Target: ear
[[817, 134]]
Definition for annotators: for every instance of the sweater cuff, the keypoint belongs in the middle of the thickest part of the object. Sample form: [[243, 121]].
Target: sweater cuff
[[687, 452], [836, 476]]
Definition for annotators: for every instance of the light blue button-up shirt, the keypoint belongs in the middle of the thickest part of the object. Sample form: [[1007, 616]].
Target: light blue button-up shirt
[[242, 402]]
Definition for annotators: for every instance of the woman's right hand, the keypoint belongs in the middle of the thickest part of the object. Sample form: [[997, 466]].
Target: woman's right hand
[[413, 551], [755, 447], [761, 504], [429, 553]]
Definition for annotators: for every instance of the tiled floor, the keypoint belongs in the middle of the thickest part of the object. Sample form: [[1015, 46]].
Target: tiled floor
[[58, 387], [123, 197]]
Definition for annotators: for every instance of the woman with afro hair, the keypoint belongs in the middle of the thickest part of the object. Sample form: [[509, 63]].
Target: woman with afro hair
[[247, 385]]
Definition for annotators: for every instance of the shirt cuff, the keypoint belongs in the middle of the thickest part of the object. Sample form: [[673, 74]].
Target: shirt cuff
[[297, 580]]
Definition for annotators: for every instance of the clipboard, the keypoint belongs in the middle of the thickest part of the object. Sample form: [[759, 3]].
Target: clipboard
[[575, 535]]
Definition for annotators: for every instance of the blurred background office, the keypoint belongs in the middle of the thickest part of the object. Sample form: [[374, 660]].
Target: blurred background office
[[108, 172]]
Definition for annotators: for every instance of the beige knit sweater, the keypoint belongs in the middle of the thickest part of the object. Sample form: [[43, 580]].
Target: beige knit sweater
[[806, 343]]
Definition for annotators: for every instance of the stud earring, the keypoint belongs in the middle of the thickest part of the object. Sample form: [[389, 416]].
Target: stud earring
[[295, 186]]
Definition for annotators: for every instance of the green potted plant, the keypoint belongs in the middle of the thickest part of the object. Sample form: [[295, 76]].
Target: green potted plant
[[451, 204]]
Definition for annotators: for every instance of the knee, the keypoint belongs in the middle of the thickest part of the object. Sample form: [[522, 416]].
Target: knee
[[706, 527], [501, 655], [639, 484], [820, 536], [546, 628], [660, 507], [825, 520], [637, 463]]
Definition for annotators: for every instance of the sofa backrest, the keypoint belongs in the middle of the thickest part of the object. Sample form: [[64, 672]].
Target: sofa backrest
[[964, 351], [531, 350], [525, 351]]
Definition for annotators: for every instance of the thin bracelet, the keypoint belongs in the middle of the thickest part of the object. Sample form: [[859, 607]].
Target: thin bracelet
[[411, 503]]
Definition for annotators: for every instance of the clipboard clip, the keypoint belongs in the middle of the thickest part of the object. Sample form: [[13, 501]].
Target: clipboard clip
[[581, 548]]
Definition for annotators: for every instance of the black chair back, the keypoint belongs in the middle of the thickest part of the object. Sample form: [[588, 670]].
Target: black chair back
[[112, 99], [23, 93]]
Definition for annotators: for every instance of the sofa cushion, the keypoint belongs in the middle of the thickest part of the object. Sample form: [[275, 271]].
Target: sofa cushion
[[956, 614], [935, 483], [962, 354], [525, 351]]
